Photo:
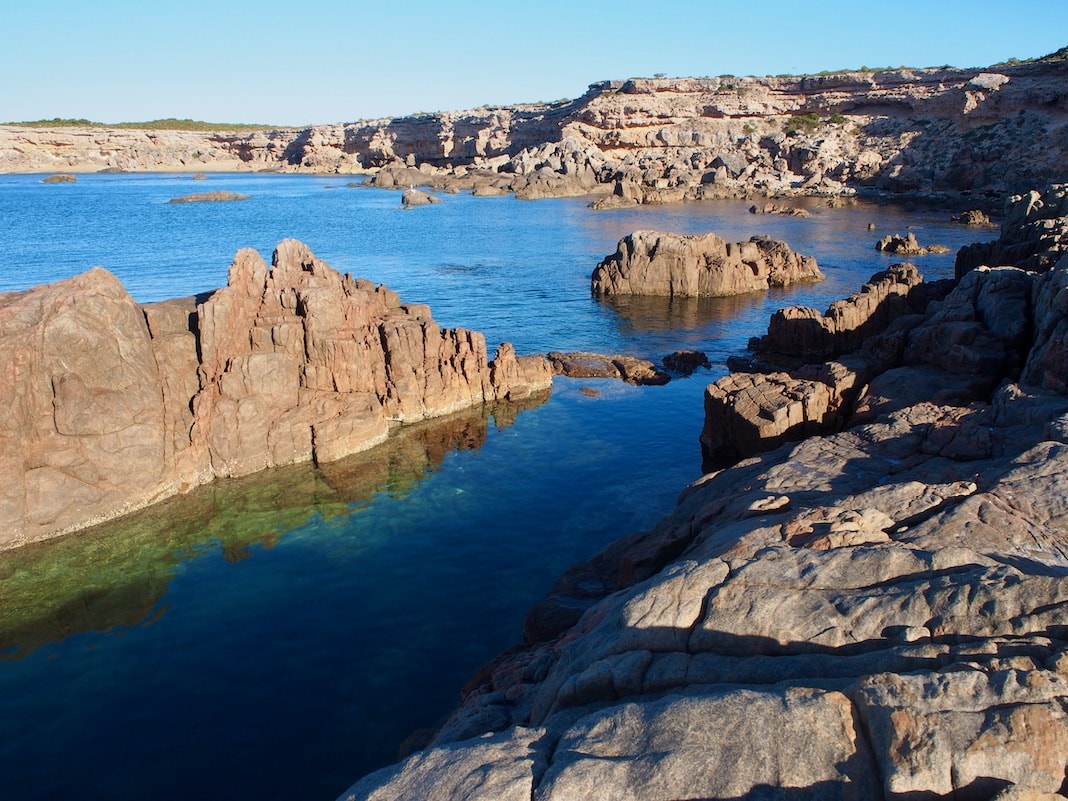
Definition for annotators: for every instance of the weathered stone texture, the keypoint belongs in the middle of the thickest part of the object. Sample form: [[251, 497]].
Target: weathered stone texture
[[673, 265], [874, 613], [109, 406]]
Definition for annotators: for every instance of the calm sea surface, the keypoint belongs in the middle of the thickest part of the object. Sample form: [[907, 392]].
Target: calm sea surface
[[279, 636]]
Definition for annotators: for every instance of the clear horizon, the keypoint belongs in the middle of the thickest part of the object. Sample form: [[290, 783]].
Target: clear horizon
[[331, 61]]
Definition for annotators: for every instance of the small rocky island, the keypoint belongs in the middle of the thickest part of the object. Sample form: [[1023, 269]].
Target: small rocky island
[[876, 609], [209, 197], [109, 405], [673, 265]]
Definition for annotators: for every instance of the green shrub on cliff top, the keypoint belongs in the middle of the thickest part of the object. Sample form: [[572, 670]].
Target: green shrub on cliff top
[[169, 124], [803, 123]]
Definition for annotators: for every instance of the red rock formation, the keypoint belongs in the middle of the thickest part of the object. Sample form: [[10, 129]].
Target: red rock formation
[[108, 406], [801, 332], [665, 264]]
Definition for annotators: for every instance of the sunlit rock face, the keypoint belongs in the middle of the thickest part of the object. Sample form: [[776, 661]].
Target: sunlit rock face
[[109, 406], [674, 265], [876, 611]]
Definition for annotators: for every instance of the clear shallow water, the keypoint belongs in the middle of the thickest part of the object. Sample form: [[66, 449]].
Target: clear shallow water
[[279, 636]]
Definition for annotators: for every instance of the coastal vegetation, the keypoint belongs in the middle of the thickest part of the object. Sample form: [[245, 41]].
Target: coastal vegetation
[[168, 124]]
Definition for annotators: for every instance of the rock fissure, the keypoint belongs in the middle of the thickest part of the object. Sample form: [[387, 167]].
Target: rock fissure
[[895, 581]]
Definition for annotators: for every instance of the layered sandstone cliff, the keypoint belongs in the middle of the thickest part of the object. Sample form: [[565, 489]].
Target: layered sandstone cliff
[[106, 405], [874, 613], [979, 131], [674, 265]]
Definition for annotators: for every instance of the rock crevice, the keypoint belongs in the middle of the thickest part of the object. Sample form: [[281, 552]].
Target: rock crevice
[[109, 405]]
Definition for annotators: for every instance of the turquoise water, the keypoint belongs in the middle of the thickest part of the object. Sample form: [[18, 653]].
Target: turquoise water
[[279, 636]]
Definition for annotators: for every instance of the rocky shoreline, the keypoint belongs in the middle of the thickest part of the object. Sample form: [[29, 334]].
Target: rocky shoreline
[[969, 136], [109, 406], [877, 611]]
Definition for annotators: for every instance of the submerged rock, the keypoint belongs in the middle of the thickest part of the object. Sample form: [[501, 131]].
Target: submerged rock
[[209, 197], [673, 265], [595, 365], [109, 406]]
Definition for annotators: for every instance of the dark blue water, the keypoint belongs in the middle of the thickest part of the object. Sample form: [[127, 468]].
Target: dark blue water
[[277, 637]]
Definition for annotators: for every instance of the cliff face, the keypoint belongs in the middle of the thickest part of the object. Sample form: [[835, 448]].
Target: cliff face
[[873, 613], [657, 140], [107, 405]]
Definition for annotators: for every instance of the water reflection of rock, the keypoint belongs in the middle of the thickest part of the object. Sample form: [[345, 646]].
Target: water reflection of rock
[[643, 315], [117, 574]]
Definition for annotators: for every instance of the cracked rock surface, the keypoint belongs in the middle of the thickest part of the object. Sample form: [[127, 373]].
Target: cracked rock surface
[[879, 612]]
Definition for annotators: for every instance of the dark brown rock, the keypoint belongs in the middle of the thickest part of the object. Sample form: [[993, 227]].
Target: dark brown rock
[[974, 218], [685, 362], [595, 365]]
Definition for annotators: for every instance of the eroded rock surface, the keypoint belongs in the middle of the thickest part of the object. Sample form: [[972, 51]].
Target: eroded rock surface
[[108, 405], [877, 613], [595, 365], [956, 132], [674, 265], [1034, 234], [906, 245]]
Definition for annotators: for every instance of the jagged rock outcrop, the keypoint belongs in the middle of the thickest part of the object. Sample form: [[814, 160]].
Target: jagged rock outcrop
[[1034, 234], [673, 265], [956, 352], [900, 587], [958, 132], [108, 405], [906, 246], [798, 332], [974, 218]]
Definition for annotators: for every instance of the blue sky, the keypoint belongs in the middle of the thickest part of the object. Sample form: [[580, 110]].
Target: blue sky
[[295, 63]]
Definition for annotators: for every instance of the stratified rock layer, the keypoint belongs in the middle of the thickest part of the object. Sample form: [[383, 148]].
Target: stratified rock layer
[[106, 405], [674, 265], [980, 132]]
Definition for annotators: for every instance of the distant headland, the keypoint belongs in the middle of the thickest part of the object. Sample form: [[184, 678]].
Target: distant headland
[[940, 131]]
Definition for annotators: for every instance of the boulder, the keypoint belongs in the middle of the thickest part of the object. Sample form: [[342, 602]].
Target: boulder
[[906, 246], [974, 218], [778, 208], [664, 264], [219, 196], [110, 405], [749, 413], [595, 365], [685, 362], [415, 197]]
